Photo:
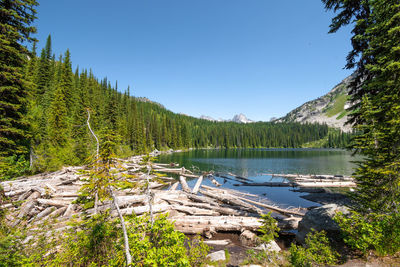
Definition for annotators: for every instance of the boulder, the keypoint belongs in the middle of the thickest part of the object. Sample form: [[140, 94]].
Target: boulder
[[271, 246], [319, 219], [248, 238], [217, 256]]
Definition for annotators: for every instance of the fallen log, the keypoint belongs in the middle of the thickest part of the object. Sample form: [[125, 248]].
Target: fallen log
[[174, 186], [231, 200], [197, 185], [50, 202], [270, 207], [202, 224], [142, 209], [195, 211], [184, 185]]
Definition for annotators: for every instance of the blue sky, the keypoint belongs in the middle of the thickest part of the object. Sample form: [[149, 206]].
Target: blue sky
[[213, 57]]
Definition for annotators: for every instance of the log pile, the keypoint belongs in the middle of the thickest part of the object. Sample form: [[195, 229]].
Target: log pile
[[201, 209]]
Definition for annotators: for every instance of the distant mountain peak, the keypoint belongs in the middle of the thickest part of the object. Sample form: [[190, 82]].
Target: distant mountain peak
[[241, 118]]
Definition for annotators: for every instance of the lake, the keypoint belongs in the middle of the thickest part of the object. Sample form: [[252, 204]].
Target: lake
[[255, 164]]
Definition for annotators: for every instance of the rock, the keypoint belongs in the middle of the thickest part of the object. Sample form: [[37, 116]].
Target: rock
[[248, 238], [271, 246], [217, 256], [320, 218]]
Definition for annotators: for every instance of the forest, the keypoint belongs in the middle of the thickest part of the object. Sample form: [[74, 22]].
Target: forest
[[59, 100]]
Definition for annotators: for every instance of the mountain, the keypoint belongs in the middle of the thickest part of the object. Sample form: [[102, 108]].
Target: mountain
[[329, 108], [240, 118]]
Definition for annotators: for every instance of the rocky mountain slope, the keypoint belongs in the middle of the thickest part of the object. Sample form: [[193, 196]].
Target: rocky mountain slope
[[329, 109]]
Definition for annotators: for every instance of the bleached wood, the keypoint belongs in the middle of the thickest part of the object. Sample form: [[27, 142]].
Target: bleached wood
[[197, 185]]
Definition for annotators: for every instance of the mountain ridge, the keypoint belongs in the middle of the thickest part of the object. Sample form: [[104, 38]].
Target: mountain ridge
[[330, 108]]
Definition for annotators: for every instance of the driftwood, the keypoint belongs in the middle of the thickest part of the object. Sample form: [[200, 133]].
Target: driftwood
[[197, 185], [231, 200], [205, 211], [174, 186], [184, 185], [201, 224], [270, 207]]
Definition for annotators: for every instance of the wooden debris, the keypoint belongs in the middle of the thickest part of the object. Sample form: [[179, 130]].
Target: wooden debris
[[184, 185], [174, 186], [197, 185]]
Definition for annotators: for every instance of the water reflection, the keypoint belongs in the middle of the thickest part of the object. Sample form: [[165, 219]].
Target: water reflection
[[256, 163]]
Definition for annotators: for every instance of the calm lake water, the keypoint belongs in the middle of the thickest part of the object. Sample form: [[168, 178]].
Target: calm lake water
[[256, 164]]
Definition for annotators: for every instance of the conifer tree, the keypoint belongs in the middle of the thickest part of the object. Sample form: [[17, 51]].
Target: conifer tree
[[16, 18], [375, 96]]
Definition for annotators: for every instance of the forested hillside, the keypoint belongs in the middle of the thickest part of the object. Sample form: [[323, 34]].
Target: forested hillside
[[59, 101]]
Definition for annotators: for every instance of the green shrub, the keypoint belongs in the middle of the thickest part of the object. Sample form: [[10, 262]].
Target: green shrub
[[197, 251], [317, 251], [262, 257], [379, 232], [269, 228], [14, 166]]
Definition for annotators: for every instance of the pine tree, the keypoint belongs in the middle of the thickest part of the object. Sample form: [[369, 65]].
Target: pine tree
[[15, 20], [375, 96]]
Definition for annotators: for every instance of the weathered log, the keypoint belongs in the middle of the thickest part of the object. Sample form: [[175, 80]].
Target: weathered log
[[45, 212], [216, 208], [326, 184], [270, 184], [223, 242], [24, 195], [201, 224], [270, 207], [174, 186], [57, 212], [202, 199], [142, 209], [197, 185], [26, 207], [34, 195], [184, 185], [70, 210], [231, 200], [52, 188], [51, 202], [195, 211]]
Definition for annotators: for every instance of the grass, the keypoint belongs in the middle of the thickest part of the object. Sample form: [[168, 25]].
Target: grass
[[338, 105]]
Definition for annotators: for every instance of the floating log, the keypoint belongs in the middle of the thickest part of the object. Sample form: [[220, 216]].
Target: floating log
[[271, 184], [326, 184]]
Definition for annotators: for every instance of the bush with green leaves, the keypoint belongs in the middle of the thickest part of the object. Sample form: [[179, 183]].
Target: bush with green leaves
[[13, 166], [263, 257], [269, 228], [316, 251], [197, 251], [364, 232]]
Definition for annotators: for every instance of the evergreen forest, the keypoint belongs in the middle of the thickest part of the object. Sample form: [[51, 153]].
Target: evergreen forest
[[57, 101]]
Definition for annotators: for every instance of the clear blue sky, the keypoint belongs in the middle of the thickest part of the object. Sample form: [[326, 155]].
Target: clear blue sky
[[213, 57]]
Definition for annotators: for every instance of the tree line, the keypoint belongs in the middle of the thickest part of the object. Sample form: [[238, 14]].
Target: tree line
[[55, 103]]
